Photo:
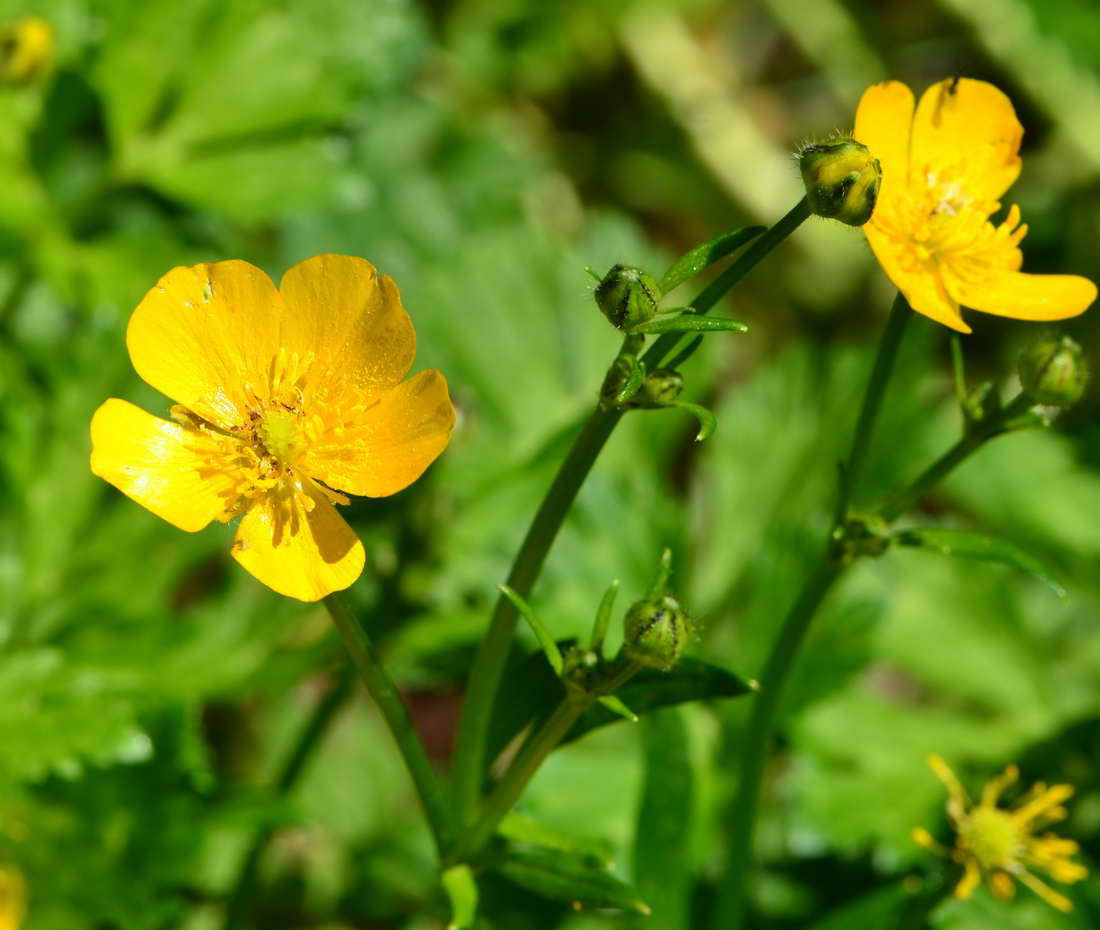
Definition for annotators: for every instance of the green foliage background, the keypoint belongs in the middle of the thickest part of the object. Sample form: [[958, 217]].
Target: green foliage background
[[483, 152]]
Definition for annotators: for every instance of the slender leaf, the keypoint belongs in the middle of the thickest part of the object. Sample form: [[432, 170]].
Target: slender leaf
[[522, 829], [546, 641], [970, 545], [458, 882], [662, 864], [689, 323], [691, 263], [563, 876]]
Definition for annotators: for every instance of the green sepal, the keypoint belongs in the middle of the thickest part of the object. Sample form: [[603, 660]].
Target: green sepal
[[695, 260], [970, 545], [633, 383], [689, 323], [546, 641], [616, 706], [563, 876], [458, 882], [708, 422]]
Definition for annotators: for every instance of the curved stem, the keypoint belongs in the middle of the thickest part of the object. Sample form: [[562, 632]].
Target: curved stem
[[730, 911], [308, 740], [393, 710], [470, 763]]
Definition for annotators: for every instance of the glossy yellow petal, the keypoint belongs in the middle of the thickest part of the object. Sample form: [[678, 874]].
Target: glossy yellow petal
[[153, 461], [391, 444], [351, 320], [883, 122], [971, 879], [966, 131], [922, 286], [1044, 891], [1023, 296], [202, 334], [298, 545]]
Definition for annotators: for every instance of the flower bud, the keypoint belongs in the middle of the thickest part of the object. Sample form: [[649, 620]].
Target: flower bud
[[26, 50], [842, 180], [1053, 371], [617, 380], [656, 632], [660, 388], [627, 296]]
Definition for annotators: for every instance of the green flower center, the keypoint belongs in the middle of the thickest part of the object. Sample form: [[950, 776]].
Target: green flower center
[[992, 836], [280, 435]]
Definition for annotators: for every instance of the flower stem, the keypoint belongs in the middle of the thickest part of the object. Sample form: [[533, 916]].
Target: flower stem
[[492, 654], [389, 703], [730, 911], [534, 752], [308, 740]]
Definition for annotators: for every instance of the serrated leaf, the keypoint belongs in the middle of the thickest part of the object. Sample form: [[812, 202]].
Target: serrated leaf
[[970, 545], [563, 876], [692, 262]]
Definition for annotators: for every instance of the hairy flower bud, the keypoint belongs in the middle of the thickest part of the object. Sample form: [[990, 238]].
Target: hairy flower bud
[[1053, 371], [656, 631], [627, 296], [660, 388], [842, 180]]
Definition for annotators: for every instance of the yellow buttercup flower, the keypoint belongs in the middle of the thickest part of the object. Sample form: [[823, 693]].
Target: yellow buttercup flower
[[1000, 844], [946, 162], [284, 398], [13, 898]]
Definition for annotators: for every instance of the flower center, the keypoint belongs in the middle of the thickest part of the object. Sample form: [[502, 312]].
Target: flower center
[[992, 836], [279, 433]]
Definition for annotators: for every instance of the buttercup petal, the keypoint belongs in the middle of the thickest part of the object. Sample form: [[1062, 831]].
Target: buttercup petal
[[923, 287], [299, 553], [967, 130], [203, 333], [1024, 296], [351, 320], [392, 444], [883, 122], [149, 460]]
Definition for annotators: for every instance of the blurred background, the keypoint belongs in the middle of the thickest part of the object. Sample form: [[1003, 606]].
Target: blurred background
[[483, 152]]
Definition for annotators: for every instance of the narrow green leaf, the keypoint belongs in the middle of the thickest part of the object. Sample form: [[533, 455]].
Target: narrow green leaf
[[458, 882], [603, 617], [708, 422], [970, 545], [689, 323], [692, 262], [616, 706], [546, 641], [633, 383], [522, 829], [562, 876], [662, 838]]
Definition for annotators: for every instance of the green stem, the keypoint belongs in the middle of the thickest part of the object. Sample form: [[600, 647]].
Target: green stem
[[757, 738], [730, 911], [308, 740], [888, 347], [534, 752], [728, 279], [393, 710], [901, 501], [493, 652]]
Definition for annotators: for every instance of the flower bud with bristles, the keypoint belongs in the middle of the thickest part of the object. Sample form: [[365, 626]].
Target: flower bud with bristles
[[1053, 371], [627, 296], [656, 631], [842, 179]]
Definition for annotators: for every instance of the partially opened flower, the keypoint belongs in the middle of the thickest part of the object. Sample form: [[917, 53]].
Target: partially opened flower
[[1000, 844], [946, 162], [284, 398]]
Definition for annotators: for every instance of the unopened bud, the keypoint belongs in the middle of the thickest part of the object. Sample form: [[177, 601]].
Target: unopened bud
[[26, 49], [627, 296], [842, 180], [656, 631], [1053, 371], [661, 388]]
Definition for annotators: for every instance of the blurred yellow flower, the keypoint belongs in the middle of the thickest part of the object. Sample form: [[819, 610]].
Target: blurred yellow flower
[[26, 49], [13, 898], [1000, 844], [945, 163], [283, 397]]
